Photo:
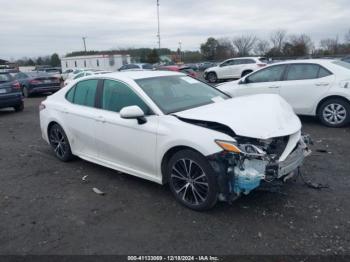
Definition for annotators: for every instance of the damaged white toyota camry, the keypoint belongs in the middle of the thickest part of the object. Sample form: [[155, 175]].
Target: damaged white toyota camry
[[169, 128]]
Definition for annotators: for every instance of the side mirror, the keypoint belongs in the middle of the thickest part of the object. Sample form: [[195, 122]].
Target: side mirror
[[133, 112]]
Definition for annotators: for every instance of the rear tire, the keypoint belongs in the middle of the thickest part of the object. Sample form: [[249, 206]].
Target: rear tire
[[192, 180], [59, 142], [19, 108], [25, 92], [334, 112], [212, 77]]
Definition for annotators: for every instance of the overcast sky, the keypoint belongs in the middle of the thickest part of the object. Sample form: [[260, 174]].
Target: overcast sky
[[42, 27]]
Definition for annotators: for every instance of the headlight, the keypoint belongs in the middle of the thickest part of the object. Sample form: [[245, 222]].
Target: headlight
[[228, 146], [245, 149]]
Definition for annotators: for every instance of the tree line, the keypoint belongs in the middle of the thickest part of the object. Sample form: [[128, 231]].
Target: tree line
[[279, 44]]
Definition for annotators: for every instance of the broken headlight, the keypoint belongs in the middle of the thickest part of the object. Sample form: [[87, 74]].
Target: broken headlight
[[244, 149]]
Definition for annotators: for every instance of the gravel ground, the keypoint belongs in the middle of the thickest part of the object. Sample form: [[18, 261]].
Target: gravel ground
[[45, 208]]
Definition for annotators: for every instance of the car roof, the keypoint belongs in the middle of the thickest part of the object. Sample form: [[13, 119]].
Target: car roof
[[305, 61], [134, 75]]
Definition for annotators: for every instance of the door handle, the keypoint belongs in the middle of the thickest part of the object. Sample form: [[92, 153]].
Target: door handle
[[322, 84], [101, 119], [274, 87]]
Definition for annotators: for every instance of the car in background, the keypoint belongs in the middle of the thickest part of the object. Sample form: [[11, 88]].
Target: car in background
[[133, 67], [54, 71], [10, 92], [234, 68], [182, 69], [172, 129], [84, 73], [194, 67], [66, 73], [346, 59], [205, 65], [315, 87], [37, 83]]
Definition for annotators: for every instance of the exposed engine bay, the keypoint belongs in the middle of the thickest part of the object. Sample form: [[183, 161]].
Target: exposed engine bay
[[246, 163]]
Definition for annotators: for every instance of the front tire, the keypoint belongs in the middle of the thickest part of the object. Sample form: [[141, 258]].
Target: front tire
[[19, 107], [334, 112], [212, 77], [192, 180], [59, 142]]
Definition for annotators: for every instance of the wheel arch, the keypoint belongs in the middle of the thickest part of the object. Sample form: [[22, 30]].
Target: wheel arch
[[327, 98], [168, 154]]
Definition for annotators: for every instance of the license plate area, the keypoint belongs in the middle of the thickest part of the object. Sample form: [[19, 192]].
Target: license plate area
[[3, 91]]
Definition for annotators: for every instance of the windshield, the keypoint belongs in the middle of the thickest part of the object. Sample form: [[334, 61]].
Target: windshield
[[342, 64], [177, 93], [5, 77]]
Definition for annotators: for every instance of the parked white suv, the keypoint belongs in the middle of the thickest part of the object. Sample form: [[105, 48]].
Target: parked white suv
[[316, 87], [234, 68]]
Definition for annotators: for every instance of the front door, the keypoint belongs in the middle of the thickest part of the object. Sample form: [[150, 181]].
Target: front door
[[124, 143]]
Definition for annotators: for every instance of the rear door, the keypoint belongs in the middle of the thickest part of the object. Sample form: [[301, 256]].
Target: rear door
[[81, 116], [264, 81], [304, 84]]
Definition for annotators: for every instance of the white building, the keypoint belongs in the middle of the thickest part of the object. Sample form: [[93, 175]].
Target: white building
[[102, 62]]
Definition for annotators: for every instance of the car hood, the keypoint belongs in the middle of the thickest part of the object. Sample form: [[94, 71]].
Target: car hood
[[256, 116]]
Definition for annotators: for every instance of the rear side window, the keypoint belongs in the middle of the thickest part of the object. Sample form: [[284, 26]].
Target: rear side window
[[302, 71], [83, 93], [323, 72], [117, 95]]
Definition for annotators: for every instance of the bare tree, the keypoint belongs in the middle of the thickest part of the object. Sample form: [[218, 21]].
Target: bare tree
[[277, 39], [301, 44], [262, 47], [244, 44], [347, 37], [330, 45]]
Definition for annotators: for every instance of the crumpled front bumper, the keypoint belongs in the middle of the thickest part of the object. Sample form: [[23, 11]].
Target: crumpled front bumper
[[238, 176], [292, 162]]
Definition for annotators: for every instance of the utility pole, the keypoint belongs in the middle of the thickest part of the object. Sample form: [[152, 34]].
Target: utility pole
[[158, 35], [84, 37]]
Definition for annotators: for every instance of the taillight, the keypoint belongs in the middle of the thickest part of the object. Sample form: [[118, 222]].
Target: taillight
[[35, 82], [261, 65], [16, 85], [41, 107]]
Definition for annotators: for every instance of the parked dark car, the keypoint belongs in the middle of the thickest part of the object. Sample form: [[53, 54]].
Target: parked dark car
[[10, 92], [37, 83]]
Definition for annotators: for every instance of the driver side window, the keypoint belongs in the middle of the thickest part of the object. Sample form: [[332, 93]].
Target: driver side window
[[117, 95], [270, 74]]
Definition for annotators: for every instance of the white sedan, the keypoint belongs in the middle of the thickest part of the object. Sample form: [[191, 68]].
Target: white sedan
[[315, 87], [167, 127]]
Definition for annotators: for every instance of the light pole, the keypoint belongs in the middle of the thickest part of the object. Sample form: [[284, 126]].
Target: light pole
[[84, 37], [158, 35], [180, 49]]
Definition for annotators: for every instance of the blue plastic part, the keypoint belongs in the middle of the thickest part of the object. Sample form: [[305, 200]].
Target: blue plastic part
[[244, 184]]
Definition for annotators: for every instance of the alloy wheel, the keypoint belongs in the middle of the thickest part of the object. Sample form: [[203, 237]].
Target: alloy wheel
[[334, 114], [190, 181], [58, 141]]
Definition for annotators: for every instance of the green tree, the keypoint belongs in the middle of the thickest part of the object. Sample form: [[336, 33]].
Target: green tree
[[153, 57], [209, 48], [55, 60], [39, 61]]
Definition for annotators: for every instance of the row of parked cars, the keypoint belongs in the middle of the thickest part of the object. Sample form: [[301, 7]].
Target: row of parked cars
[[315, 87]]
